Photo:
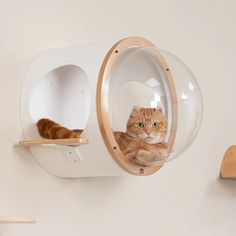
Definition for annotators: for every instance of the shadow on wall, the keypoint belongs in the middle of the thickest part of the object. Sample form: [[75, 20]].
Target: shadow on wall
[[222, 188]]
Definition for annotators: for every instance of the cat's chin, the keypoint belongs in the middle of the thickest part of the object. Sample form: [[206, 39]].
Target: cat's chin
[[150, 141], [153, 140]]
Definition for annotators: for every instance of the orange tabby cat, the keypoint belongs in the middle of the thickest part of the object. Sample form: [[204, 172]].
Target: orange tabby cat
[[144, 139], [50, 129]]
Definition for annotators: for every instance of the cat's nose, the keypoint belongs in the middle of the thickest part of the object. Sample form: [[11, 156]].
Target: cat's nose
[[148, 132]]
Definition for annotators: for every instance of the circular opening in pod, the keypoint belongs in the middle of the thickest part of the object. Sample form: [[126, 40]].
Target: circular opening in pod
[[149, 105], [137, 106], [62, 95], [139, 79]]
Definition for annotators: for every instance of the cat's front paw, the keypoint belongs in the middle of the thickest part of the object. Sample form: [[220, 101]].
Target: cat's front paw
[[163, 153], [144, 157]]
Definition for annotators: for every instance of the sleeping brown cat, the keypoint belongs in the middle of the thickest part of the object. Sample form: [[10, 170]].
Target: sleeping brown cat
[[144, 139], [50, 129]]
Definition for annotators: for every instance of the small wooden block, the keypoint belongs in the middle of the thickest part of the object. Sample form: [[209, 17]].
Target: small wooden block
[[228, 165]]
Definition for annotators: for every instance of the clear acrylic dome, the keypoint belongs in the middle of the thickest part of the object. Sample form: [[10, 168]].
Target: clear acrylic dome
[[153, 78], [190, 106]]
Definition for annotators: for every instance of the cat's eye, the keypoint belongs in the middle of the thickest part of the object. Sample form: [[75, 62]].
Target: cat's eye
[[155, 125], [140, 125]]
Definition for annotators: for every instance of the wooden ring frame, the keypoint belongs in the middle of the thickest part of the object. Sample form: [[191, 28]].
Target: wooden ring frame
[[102, 103]]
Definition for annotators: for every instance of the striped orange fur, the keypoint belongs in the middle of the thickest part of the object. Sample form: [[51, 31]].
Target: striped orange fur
[[144, 140], [52, 130]]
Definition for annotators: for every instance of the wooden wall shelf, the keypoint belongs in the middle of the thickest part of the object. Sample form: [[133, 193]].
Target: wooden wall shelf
[[228, 165], [68, 142], [16, 220]]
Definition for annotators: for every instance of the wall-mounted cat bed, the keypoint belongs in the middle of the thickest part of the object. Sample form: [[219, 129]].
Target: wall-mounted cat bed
[[94, 88]]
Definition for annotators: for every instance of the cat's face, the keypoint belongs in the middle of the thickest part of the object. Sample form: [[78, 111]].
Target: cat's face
[[147, 124]]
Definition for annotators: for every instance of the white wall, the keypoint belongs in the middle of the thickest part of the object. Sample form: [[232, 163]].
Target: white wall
[[186, 197]]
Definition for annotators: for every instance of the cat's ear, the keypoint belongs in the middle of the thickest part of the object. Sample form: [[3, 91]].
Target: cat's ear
[[136, 108], [159, 109]]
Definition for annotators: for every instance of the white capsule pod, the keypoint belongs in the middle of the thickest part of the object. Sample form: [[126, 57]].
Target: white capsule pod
[[95, 88]]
